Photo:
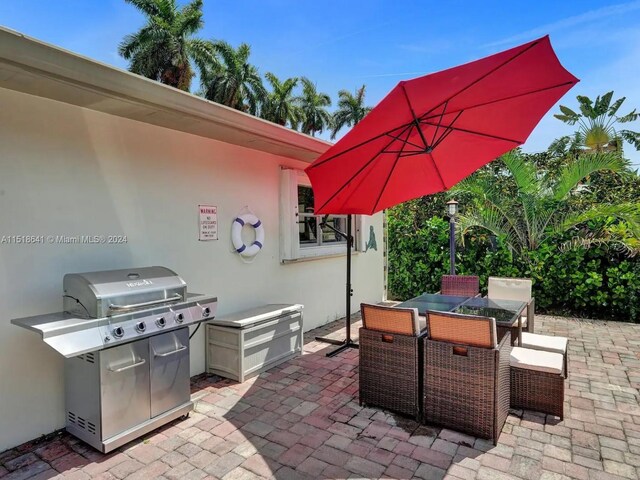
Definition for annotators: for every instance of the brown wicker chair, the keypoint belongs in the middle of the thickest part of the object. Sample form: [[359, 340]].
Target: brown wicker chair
[[466, 374], [389, 358], [460, 285]]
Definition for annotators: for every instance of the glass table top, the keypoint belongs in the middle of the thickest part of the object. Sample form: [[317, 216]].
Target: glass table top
[[504, 311]]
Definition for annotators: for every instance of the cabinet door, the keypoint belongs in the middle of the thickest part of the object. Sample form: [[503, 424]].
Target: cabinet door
[[124, 387], [170, 385]]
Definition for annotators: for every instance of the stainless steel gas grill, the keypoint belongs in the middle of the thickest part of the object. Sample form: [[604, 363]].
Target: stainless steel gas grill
[[125, 337]]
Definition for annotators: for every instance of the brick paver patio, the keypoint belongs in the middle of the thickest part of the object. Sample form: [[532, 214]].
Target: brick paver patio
[[302, 420]]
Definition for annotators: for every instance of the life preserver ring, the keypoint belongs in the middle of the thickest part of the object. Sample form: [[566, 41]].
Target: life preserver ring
[[236, 235]]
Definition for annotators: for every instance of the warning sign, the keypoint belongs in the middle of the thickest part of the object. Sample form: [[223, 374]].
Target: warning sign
[[208, 222]]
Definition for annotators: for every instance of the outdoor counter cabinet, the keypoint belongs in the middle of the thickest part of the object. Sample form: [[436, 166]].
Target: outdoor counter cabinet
[[243, 344]]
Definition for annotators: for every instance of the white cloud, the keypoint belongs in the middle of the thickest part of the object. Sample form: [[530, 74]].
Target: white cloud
[[560, 26]]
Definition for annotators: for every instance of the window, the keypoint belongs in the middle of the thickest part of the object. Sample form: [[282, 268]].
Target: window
[[312, 229], [304, 234]]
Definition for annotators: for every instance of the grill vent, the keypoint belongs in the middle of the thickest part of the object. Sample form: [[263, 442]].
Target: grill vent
[[81, 423], [88, 357]]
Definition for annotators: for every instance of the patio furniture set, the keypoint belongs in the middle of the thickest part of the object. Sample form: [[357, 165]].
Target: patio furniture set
[[459, 360]]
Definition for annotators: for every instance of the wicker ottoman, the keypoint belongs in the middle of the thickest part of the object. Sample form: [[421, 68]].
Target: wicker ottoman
[[537, 381]]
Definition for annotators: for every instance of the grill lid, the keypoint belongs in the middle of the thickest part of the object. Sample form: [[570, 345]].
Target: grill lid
[[105, 293]]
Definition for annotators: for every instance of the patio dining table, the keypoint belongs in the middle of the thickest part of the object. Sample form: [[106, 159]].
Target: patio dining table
[[508, 313]]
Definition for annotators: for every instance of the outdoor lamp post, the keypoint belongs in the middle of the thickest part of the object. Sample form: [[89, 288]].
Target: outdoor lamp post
[[452, 211]]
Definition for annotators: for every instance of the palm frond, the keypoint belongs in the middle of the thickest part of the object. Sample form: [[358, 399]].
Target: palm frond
[[629, 117], [568, 116], [148, 7], [626, 212], [573, 173], [602, 103], [632, 137], [492, 220], [613, 109], [523, 172], [619, 246], [586, 106]]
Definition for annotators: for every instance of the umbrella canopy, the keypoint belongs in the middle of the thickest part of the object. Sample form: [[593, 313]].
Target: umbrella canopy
[[429, 133]]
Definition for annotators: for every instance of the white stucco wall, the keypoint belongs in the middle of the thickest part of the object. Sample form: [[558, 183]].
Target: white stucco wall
[[71, 171]]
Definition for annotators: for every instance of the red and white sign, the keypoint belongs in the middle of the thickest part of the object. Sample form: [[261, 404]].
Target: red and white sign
[[208, 222]]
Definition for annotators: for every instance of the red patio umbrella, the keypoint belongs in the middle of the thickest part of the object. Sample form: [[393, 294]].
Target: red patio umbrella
[[431, 132]]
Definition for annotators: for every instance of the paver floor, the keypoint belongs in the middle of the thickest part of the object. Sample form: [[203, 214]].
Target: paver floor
[[302, 420]]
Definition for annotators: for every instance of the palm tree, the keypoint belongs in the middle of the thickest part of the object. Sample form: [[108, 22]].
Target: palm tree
[[280, 106], [596, 125], [530, 208], [351, 110], [233, 82], [315, 116], [164, 47]]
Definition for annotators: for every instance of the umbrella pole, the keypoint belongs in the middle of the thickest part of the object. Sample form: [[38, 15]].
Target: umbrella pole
[[347, 342]]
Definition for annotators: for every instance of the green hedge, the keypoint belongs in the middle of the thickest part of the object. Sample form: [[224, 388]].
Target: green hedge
[[593, 283]]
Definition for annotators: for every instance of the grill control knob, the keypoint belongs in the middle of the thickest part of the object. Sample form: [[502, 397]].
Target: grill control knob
[[161, 322], [206, 311], [141, 327], [118, 332], [179, 317]]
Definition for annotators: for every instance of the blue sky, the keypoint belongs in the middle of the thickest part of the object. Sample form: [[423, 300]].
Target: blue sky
[[344, 44]]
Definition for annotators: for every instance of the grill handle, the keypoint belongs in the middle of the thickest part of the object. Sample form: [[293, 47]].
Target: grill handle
[[181, 349], [175, 298], [133, 365]]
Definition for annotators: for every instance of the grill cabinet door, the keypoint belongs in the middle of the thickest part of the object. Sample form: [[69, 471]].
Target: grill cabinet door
[[124, 387], [170, 385]]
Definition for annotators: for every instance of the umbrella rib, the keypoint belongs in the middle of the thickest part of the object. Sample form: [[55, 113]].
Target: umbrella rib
[[408, 126], [464, 130], [383, 134], [448, 130], [444, 135], [395, 163], [435, 134], [484, 76], [405, 141], [426, 116], [415, 119]]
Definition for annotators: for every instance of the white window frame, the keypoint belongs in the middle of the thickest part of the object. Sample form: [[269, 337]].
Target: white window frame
[[290, 248]]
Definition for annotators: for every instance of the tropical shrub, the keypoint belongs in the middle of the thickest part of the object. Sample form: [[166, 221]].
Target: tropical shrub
[[596, 282]]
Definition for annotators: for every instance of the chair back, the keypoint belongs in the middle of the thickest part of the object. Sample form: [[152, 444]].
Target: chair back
[[510, 289], [402, 321], [462, 329], [460, 285]]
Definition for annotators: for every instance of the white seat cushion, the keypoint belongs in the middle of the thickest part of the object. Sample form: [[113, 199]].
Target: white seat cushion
[[547, 343], [536, 360]]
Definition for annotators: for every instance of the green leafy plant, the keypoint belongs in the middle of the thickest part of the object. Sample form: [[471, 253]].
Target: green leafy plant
[[596, 125], [529, 207]]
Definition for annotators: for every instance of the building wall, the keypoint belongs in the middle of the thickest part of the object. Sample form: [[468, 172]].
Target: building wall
[[65, 170]]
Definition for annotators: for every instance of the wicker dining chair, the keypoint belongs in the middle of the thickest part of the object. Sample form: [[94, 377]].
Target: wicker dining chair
[[460, 285], [389, 358], [514, 289], [466, 374]]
